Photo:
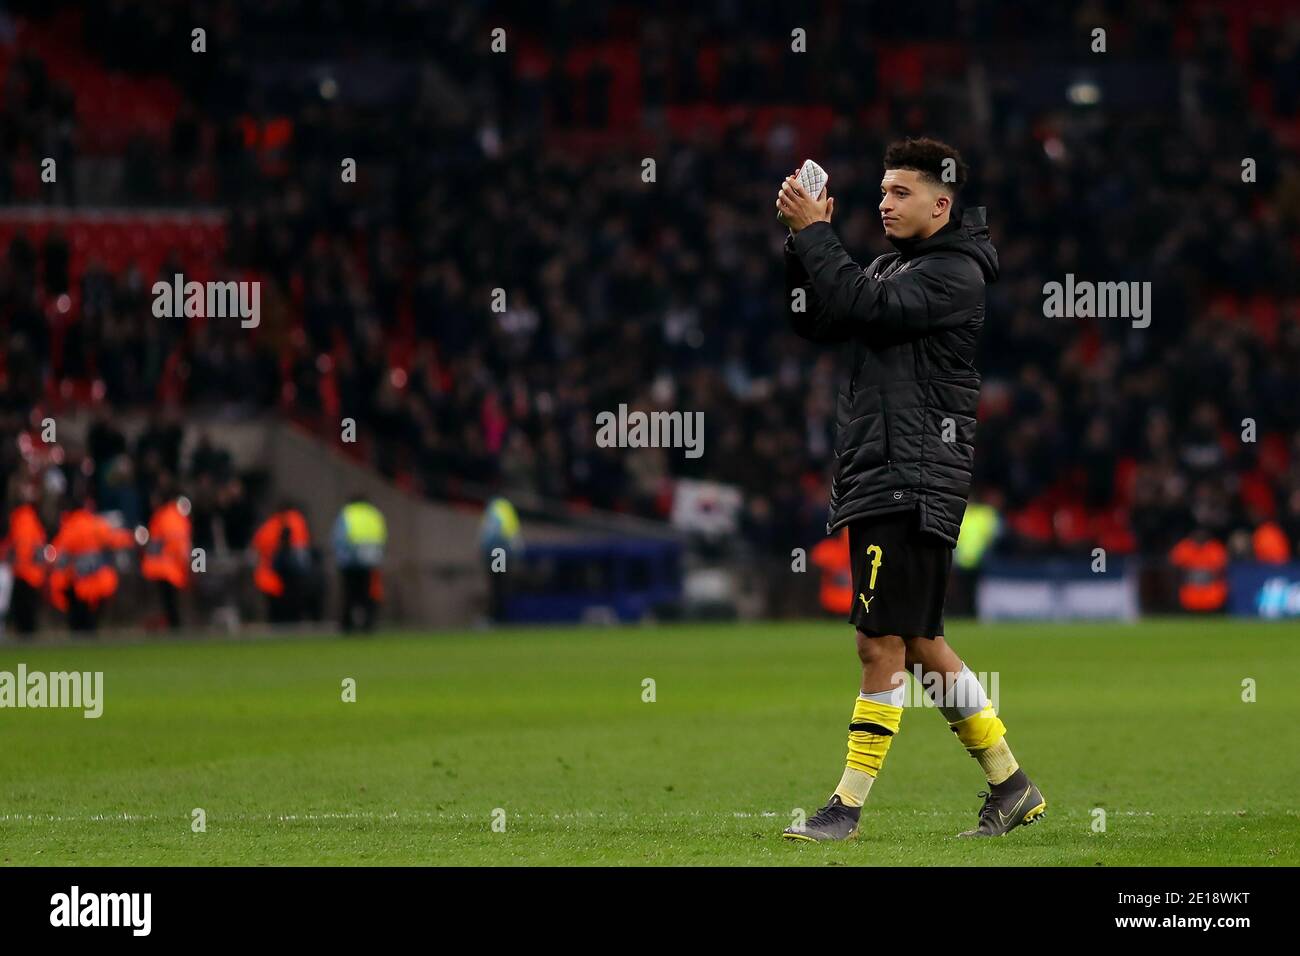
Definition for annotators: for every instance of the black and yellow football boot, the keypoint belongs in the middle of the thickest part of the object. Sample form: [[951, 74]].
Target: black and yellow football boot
[[1014, 802], [834, 821]]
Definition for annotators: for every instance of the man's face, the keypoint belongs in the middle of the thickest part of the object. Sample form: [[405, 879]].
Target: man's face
[[910, 207]]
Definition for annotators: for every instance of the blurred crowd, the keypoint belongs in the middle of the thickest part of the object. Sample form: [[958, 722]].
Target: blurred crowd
[[523, 172]]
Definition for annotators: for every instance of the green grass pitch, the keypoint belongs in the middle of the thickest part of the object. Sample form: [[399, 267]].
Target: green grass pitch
[[1145, 721]]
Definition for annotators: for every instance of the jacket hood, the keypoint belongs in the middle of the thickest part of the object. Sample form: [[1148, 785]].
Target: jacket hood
[[970, 236]]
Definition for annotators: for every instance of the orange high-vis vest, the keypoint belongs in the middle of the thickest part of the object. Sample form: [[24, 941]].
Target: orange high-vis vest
[[27, 544], [1205, 584], [832, 556], [1270, 544], [82, 559], [167, 555], [267, 541]]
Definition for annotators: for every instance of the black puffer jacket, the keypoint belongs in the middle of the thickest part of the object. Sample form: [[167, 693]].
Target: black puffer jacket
[[912, 318]]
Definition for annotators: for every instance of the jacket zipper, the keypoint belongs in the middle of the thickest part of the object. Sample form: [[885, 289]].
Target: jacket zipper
[[884, 412]]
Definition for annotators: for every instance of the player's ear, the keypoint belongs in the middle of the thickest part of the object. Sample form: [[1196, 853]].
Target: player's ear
[[830, 206]]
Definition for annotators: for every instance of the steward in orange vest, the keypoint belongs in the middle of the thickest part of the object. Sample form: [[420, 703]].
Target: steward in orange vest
[[283, 561], [1270, 544], [1203, 562], [25, 545], [832, 556], [167, 555], [84, 577]]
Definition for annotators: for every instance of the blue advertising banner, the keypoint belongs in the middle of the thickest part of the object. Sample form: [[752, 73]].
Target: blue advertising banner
[[1264, 590], [1054, 590]]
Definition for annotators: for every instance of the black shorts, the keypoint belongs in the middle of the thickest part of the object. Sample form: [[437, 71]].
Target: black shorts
[[900, 576]]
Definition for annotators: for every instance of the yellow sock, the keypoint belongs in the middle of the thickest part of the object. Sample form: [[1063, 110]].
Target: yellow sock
[[983, 736], [854, 787], [870, 733], [997, 762]]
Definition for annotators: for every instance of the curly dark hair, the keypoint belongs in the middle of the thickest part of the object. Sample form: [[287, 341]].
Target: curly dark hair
[[927, 156]]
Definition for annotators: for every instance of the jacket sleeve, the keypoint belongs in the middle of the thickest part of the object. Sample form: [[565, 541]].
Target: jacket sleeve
[[934, 293], [814, 322]]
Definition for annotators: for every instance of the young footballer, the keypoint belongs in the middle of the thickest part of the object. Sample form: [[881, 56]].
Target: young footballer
[[905, 417]]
